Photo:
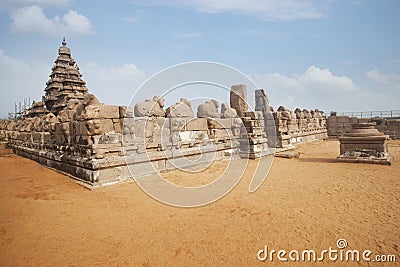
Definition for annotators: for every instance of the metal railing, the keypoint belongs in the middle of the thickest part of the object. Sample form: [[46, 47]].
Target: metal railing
[[372, 114]]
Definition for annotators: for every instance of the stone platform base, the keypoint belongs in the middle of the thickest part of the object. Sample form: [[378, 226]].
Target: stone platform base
[[369, 160], [289, 140], [3, 145], [100, 172]]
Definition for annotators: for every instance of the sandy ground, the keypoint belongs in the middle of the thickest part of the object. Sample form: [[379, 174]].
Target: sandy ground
[[46, 219]]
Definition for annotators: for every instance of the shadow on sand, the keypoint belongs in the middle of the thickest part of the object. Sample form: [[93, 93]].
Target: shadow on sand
[[319, 160]]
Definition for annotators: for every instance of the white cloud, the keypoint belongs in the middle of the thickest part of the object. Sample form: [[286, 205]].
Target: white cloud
[[33, 19], [19, 80], [315, 88], [266, 9], [276, 80], [392, 81], [324, 79], [77, 23], [113, 85], [314, 79]]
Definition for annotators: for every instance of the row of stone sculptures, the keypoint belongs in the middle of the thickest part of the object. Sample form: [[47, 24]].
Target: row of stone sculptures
[[183, 109], [300, 119], [86, 109], [76, 110]]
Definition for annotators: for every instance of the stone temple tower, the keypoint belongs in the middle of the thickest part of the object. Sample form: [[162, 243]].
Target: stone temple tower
[[65, 81]]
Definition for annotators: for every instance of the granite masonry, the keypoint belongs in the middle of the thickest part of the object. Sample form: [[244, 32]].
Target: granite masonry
[[339, 125], [364, 144], [71, 131]]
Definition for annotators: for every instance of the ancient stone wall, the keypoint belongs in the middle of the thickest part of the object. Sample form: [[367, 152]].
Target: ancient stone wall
[[298, 126], [71, 131], [96, 142], [339, 125], [93, 142]]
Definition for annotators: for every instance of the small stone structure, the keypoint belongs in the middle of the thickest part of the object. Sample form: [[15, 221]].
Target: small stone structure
[[364, 144], [339, 125], [70, 130]]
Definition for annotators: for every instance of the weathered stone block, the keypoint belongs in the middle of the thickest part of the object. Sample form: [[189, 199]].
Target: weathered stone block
[[196, 124], [364, 120], [65, 128], [100, 112], [261, 100], [252, 114], [66, 115], [118, 125], [236, 132], [143, 127], [110, 138], [193, 136], [353, 120], [221, 123], [125, 111], [99, 126], [38, 137], [178, 124], [332, 119], [221, 133], [238, 99], [209, 109]]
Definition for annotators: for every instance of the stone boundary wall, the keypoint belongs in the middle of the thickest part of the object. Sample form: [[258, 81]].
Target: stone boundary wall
[[339, 125], [95, 142], [71, 131], [92, 146], [298, 126]]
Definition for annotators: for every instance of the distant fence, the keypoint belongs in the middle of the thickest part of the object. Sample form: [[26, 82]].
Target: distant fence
[[373, 114]]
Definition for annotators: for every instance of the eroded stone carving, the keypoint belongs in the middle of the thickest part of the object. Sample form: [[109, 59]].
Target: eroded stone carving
[[209, 109], [150, 108], [261, 99], [88, 100], [238, 99], [228, 112], [283, 117], [68, 113], [182, 109]]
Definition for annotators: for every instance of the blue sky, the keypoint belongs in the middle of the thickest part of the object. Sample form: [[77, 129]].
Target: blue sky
[[332, 55]]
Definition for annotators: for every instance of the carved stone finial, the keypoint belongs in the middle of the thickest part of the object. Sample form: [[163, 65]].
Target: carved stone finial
[[64, 42]]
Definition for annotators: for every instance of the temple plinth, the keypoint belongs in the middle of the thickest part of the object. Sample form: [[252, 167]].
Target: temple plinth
[[364, 144]]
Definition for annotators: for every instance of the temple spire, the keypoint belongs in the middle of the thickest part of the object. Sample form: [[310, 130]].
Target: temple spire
[[65, 81]]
